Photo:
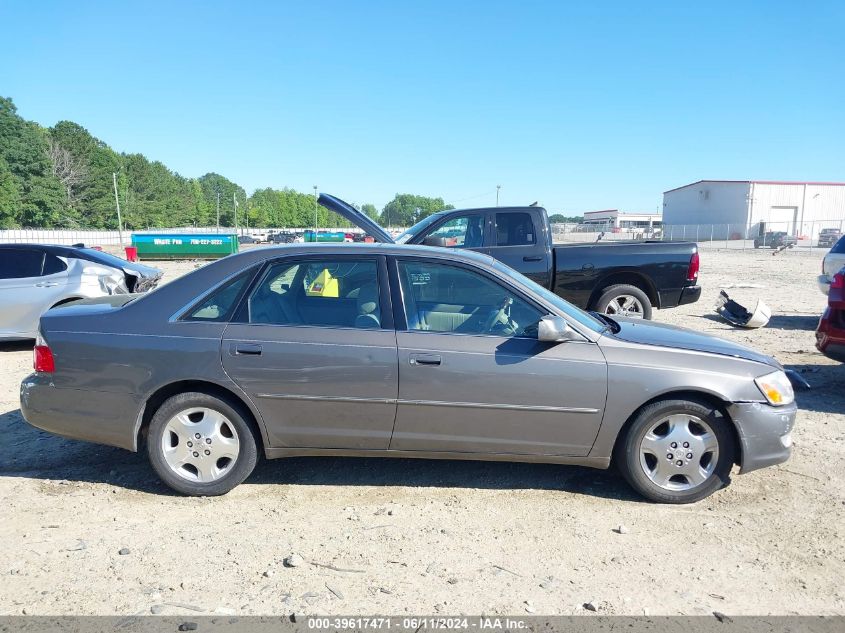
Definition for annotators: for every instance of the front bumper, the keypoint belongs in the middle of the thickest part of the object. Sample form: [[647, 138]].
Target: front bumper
[[94, 416], [765, 433]]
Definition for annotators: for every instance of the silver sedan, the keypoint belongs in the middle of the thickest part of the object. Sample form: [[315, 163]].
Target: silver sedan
[[35, 278], [400, 351]]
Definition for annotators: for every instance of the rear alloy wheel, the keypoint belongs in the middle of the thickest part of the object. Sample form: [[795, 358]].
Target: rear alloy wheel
[[624, 300], [677, 451], [201, 445]]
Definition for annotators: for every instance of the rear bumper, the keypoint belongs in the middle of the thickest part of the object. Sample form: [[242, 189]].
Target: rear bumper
[[765, 433], [690, 294], [830, 337], [94, 416]]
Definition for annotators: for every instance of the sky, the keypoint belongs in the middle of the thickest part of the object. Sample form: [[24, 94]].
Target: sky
[[579, 106]]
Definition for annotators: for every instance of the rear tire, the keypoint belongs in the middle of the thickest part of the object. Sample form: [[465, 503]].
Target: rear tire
[[201, 445], [624, 300], [700, 442]]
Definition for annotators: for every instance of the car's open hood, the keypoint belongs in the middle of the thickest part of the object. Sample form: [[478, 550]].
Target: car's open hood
[[651, 333], [358, 218]]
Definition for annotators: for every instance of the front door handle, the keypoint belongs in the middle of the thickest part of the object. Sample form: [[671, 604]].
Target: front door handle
[[46, 284], [532, 259], [587, 267], [245, 349], [425, 359]]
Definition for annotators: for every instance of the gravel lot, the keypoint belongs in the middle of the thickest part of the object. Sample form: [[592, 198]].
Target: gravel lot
[[90, 530]]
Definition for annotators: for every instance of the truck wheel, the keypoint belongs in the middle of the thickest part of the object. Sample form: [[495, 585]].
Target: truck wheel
[[624, 300], [677, 451], [201, 445]]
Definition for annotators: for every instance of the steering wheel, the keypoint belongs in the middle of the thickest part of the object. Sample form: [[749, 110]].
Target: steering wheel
[[499, 316]]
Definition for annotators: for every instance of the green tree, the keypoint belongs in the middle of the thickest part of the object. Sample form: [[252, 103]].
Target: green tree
[[10, 197], [24, 150], [406, 209], [559, 218], [371, 211]]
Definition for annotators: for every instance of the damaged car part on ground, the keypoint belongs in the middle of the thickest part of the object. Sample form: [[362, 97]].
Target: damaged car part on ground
[[35, 278], [739, 315], [400, 351]]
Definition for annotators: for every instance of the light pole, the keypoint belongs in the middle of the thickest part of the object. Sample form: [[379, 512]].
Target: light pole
[[117, 204], [497, 194], [315, 214], [218, 208]]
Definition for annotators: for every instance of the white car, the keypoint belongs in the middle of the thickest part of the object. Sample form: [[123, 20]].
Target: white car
[[833, 262], [35, 278]]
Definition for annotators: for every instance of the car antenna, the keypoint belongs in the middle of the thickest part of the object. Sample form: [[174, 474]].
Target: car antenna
[[534, 204]]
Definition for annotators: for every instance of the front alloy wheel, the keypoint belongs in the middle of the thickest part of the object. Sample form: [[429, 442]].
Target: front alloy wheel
[[677, 451]]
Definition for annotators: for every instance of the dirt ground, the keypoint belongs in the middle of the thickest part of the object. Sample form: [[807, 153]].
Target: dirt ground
[[90, 530]]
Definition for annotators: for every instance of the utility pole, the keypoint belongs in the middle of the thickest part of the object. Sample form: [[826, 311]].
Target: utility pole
[[218, 209], [315, 214], [497, 194], [117, 204], [235, 210]]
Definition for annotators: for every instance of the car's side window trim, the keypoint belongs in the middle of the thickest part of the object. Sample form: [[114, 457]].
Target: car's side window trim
[[241, 314], [181, 315], [399, 297]]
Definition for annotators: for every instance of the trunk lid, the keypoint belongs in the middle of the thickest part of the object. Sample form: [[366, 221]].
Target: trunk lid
[[358, 218]]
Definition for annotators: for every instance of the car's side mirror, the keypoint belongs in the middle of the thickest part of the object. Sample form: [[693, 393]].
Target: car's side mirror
[[434, 241], [554, 329]]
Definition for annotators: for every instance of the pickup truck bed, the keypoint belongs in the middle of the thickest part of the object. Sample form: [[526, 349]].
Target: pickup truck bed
[[626, 278]]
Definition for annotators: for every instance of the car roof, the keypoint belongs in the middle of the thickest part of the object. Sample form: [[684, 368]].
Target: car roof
[[363, 248]]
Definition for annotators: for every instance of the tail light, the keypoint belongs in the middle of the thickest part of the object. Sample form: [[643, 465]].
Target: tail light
[[42, 357], [692, 271], [838, 280]]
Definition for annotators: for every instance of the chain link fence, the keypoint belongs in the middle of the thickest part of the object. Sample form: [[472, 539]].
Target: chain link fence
[[771, 235]]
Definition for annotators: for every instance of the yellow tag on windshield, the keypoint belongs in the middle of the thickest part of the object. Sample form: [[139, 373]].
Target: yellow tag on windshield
[[323, 286]]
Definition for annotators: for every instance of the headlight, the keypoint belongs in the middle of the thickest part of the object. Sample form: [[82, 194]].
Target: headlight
[[776, 387]]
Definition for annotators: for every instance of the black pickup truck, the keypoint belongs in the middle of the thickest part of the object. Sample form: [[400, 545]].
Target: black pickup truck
[[627, 278]]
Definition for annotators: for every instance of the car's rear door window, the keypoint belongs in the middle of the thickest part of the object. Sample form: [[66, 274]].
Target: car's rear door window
[[515, 229], [16, 263], [52, 265], [325, 292]]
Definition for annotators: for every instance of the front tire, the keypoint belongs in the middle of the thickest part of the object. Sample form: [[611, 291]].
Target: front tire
[[677, 451], [201, 445], [624, 300]]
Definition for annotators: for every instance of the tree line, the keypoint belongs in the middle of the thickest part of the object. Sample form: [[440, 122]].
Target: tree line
[[63, 177]]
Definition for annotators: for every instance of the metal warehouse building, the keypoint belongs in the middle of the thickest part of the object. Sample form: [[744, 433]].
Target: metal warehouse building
[[746, 208]]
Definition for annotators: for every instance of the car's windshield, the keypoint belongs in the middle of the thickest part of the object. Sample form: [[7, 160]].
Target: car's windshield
[[584, 318], [418, 228]]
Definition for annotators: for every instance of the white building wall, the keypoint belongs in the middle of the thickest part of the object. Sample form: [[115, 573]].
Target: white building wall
[[707, 203], [798, 209]]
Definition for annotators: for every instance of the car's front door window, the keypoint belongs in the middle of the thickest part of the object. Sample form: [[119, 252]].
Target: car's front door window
[[446, 298], [466, 231]]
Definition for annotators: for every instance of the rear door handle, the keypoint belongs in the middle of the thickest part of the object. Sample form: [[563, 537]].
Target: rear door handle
[[46, 284], [532, 259], [245, 349], [425, 359]]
